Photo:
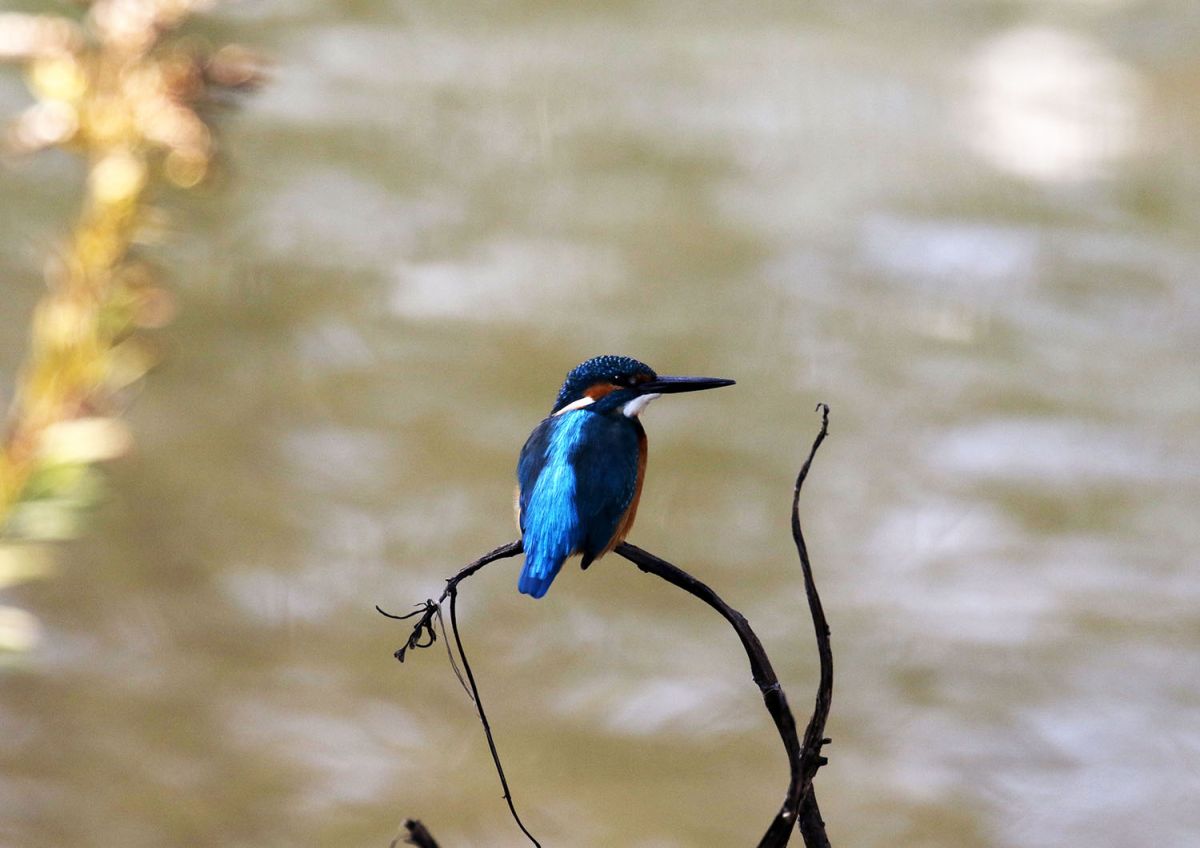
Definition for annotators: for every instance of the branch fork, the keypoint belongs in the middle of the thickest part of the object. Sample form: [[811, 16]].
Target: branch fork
[[799, 808]]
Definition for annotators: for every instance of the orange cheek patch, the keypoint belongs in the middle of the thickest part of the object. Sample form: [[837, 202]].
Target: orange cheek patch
[[600, 390]]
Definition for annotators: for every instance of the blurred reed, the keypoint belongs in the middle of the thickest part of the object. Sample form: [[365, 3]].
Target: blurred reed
[[127, 89]]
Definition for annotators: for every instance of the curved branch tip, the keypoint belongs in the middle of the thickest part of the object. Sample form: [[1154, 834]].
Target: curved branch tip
[[800, 805]]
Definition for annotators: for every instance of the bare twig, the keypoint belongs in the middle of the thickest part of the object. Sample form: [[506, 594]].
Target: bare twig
[[799, 808], [760, 669], [812, 827], [800, 803], [417, 834], [424, 635], [487, 728], [453, 662]]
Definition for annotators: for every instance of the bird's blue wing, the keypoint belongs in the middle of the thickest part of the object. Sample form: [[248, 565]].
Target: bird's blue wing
[[550, 522], [530, 465]]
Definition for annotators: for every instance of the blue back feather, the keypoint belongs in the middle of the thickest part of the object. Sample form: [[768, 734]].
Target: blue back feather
[[549, 520], [577, 475]]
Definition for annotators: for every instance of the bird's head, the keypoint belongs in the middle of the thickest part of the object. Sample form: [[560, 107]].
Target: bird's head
[[608, 384]]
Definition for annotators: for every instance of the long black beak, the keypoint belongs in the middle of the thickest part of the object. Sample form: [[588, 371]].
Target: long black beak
[[671, 385]]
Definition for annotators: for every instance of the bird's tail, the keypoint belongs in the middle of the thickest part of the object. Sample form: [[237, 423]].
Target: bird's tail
[[539, 572]]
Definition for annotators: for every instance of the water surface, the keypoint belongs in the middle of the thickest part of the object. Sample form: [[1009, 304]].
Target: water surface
[[969, 228]]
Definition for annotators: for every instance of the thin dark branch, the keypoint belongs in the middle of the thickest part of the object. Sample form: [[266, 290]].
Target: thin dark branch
[[417, 835], [506, 550], [764, 676], [510, 549], [814, 734], [812, 827], [800, 806], [800, 803], [487, 728], [453, 662], [424, 635]]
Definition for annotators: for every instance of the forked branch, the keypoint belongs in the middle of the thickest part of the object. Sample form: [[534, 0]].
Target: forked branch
[[799, 808]]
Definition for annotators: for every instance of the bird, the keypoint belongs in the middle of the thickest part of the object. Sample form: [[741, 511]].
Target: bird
[[580, 473]]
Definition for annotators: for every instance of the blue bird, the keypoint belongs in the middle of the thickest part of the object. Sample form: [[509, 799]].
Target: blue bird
[[580, 473]]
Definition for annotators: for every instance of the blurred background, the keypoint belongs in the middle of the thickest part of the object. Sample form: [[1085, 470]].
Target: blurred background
[[969, 227]]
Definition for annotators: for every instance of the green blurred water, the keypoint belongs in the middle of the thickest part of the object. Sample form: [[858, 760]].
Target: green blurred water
[[968, 227]]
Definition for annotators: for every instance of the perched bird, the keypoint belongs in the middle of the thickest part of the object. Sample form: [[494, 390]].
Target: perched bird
[[580, 473]]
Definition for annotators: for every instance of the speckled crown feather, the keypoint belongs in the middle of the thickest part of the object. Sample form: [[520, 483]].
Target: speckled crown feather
[[600, 369]]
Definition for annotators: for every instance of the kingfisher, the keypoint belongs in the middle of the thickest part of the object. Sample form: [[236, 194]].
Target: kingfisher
[[579, 476]]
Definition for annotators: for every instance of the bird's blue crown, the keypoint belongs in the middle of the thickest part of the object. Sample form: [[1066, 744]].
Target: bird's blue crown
[[618, 370]]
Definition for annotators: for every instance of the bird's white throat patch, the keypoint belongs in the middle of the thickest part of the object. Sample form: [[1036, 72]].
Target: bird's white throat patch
[[636, 406]]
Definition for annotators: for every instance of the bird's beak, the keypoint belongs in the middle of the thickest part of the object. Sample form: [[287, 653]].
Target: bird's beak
[[672, 385]]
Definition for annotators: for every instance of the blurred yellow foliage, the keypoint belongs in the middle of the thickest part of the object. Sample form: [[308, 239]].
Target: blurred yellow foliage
[[126, 92]]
